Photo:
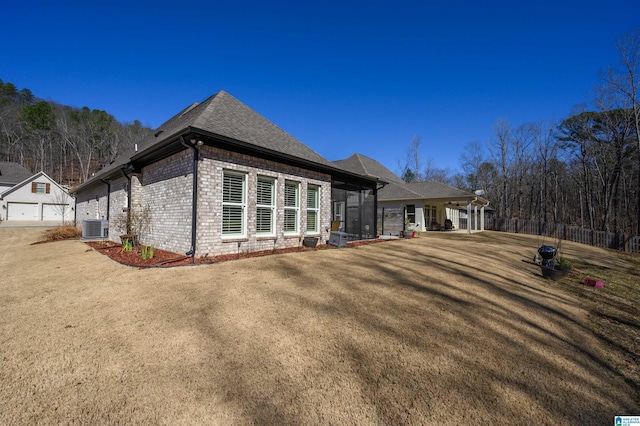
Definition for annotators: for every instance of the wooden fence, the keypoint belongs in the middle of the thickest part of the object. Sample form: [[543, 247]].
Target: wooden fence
[[612, 240]]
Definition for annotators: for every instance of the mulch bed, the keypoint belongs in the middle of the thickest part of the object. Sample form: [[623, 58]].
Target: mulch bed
[[165, 259]]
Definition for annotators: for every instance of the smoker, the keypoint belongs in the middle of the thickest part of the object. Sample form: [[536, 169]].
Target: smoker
[[547, 256]]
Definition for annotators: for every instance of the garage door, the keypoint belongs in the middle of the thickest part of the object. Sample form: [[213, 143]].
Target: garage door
[[55, 211], [22, 211]]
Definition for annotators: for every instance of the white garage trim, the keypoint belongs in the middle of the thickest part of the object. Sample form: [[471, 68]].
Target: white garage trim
[[23, 211]]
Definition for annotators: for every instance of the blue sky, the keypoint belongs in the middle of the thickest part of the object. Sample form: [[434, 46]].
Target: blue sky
[[341, 76]]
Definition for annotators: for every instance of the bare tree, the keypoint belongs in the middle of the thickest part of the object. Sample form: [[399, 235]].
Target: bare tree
[[500, 149], [625, 79], [471, 160], [411, 166], [435, 173]]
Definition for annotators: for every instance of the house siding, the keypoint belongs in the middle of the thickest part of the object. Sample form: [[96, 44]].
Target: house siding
[[165, 189], [166, 192], [214, 162], [91, 204]]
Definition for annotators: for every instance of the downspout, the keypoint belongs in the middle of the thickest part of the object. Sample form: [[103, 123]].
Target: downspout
[[194, 203], [128, 200], [108, 183]]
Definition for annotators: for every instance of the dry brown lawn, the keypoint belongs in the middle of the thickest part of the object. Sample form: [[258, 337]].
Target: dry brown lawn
[[443, 329]]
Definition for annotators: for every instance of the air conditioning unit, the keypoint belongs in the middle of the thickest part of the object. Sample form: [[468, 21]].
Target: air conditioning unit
[[95, 228], [338, 239]]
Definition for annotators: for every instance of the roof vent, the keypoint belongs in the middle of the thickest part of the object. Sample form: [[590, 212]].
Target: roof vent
[[156, 134]]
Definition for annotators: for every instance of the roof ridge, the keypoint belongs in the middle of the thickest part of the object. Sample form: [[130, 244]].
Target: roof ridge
[[364, 168]]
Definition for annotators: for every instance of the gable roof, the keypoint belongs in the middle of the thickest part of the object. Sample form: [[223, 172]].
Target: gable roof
[[429, 190], [435, 189], [224, 119], [29, 180], [366, 166], [397, 189], [12, 173], [395, 192]]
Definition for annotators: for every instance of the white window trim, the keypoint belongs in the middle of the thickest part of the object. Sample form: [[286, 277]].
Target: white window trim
[[315, 209], [295, 209], [271, 206], [242, 204]]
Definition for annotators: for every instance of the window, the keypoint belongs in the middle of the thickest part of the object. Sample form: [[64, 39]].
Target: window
[[234, 204], [430, 215], [40, 187], [265, 206], [291, 207], [313, 211], [411, 213]]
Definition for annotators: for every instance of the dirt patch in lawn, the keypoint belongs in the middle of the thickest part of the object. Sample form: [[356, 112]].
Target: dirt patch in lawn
[[446, 329]]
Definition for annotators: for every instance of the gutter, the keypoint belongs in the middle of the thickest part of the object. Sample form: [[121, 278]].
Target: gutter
[[194, 202]]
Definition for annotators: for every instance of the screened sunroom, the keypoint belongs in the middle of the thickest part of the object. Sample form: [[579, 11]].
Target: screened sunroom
[[353, 209]]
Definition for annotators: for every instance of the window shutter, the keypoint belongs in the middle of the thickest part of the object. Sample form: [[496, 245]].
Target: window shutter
[[290, 222], [312, 221], [233, 204], [264, 218], [48, 187], [264, 194], [233, 188], [33, 187], [232, 220], [312, 208], [291, 195]]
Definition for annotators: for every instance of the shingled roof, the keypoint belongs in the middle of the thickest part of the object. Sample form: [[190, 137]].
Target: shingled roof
[[395, 192], [13, 173], [366, 166], [431, 190], [434, 189], [220, 117]]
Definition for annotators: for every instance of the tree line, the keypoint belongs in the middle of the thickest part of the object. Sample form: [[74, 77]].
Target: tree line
[[583, 171], [67, 143]]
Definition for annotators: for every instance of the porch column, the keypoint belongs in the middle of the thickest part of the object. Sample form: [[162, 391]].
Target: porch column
[[475, 213], [482, 218], [469, 217]]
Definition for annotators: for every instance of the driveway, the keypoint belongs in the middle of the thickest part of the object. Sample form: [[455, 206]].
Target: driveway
[[455, 330]]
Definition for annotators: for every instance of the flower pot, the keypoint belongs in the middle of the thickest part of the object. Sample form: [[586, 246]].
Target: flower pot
[[310, 242]]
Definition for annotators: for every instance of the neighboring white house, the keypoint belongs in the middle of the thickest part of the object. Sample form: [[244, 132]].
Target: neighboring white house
[[425, 206], [37, 198], [12, 174]]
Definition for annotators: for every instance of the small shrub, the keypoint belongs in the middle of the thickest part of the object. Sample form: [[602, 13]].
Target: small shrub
[[62, 232], [147, 252]]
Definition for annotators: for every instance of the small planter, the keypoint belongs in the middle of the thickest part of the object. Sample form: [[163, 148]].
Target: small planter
[[556, 273], [310, 242], [407, 234]]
